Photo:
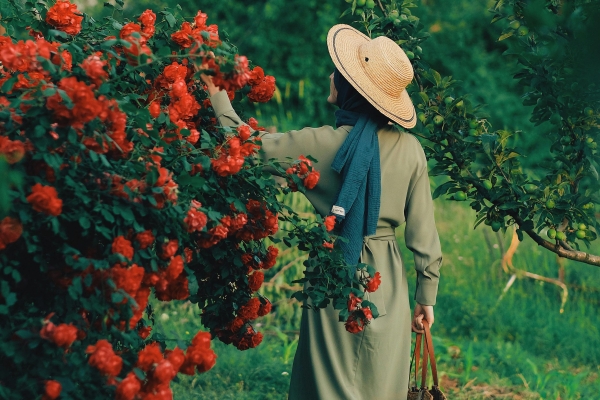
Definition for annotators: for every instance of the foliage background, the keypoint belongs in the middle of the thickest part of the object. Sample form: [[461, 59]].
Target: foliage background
[[520, 344], [522, 341]]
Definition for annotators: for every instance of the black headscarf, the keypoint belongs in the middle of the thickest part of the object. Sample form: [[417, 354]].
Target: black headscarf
[[348, 99]]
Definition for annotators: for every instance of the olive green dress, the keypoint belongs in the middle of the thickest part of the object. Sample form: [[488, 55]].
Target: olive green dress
[[331, 363]]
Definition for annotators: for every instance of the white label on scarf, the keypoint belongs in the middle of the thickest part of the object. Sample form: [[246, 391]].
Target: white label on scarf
[[337, 210]]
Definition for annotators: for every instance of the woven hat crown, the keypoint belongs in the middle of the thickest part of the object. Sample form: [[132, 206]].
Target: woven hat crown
[[386, 65]]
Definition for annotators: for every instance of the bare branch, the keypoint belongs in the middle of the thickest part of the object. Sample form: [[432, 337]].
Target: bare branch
[[507, 262]]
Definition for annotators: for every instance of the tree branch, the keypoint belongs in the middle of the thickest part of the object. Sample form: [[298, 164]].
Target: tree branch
[[574, 255]]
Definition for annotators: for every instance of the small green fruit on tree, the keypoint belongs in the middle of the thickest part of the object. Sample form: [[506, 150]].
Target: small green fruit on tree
[[460, 196], [496, 225]]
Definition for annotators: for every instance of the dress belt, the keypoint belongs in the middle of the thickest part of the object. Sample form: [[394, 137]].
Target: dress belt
[[382, 233]]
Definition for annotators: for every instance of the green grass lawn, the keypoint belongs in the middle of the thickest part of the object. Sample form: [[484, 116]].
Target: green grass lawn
[[518, 347]]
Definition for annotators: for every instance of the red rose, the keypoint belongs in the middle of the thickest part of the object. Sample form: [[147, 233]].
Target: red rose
[[128, 29], [129, 387], [176, 357], [236, 324], [148, 356], [65, 17], [312, 179], [189, 255], [254, 125], [249, 311], [195, 220], [244, 132], [263, 92], [353, 302], [64, 335], [169, 249], [154, 109], [271, 257], [164, 372], [104, 358], [122, 246], [12, 150], [145, 239], [256, 280], [368, 315], [328, 245], [10, 231], [208, 361], [127, 279], [148, 19], [182, 37], [145, 332], [330, 223], [374, 282], [264, 309], [94, 68], [175, 267], [52, 390], [45, 199], [353, 325], [256, 339]]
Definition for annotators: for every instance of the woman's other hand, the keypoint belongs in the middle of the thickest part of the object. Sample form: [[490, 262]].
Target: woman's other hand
[[208, 80], [422, 312]]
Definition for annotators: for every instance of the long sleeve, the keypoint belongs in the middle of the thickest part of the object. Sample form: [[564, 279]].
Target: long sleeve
[[316, 142], [421, 237]]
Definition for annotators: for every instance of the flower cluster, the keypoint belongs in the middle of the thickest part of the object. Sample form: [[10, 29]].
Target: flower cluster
[[137, 36], [239, 331], [233, 155], [10, 231], [191, 33], [161, 367], [302, 168], [359, 316], [62, 335], [127, 187], [12, 150], [262, 86], [65, 16], [104, 359]]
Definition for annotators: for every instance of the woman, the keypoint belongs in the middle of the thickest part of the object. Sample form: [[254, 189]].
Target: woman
[[373, 178]]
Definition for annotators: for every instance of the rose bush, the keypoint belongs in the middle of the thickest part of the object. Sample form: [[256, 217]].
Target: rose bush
[[129, 187]]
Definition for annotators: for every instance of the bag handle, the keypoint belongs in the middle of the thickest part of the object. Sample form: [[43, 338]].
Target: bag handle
[[416, 356], [428, 353], [431, 353]]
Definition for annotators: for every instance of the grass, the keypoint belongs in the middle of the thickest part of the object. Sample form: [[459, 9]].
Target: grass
[[519, 347]]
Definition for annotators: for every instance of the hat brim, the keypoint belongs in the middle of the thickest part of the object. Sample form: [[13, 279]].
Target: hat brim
[[343, 43]]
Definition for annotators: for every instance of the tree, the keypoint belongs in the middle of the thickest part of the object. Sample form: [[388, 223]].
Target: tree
[[551, 42]]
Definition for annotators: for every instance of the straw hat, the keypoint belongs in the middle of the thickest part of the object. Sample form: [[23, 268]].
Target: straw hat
[[378, 68]]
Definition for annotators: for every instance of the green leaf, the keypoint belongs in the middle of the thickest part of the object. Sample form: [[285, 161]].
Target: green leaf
[[8, 85], [84, 222], [442, 189], [170, 19]]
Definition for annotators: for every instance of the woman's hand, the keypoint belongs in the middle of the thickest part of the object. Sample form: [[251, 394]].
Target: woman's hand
[[208, 81], [422, 312]]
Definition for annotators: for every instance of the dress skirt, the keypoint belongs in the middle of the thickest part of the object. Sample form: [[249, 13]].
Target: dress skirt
[[333, 364]]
